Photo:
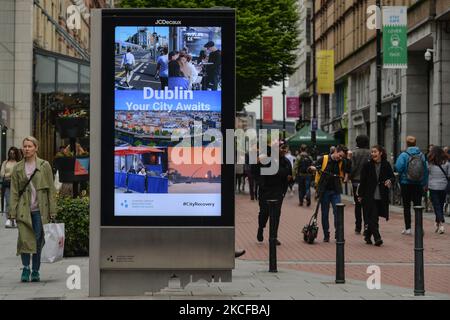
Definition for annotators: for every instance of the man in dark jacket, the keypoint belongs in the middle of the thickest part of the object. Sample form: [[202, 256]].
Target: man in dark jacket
[[273, 187], [361, 155]]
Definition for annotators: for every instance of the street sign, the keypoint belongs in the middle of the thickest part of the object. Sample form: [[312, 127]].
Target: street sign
[[314, 124], [395, 44]]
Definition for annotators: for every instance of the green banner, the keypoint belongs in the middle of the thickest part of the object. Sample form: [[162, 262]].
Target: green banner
[[395, 38]]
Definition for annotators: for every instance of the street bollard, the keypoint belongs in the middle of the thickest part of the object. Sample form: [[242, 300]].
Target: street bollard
[[340, 241], [272, 236], [419, 281]]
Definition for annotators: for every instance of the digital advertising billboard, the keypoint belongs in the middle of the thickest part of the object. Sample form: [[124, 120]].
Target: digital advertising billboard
[[172, 81]]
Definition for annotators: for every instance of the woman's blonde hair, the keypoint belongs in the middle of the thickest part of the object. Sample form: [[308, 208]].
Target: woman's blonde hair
[[33, 140]]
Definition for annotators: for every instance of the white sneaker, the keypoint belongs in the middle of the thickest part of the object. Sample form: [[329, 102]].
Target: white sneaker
[[436, 227], [441, 229], [406, 232], [8, 224]]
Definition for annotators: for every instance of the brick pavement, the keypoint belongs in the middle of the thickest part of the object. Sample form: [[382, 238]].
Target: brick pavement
[[395, 257]]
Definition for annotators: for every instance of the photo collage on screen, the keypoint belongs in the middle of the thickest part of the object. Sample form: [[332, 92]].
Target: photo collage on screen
[[166, 79]]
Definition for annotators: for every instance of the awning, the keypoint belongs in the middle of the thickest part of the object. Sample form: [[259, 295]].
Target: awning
[[303, 136], [125, 151]]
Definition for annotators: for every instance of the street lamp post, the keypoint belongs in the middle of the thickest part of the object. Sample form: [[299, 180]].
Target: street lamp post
[[379, 67], [429, 59], [313, 42], [284, 102]]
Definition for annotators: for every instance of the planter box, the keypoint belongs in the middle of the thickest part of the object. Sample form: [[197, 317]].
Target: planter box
[[72, 127]]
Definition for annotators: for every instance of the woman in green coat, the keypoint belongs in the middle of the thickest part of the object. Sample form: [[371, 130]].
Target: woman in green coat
[[32, 205]]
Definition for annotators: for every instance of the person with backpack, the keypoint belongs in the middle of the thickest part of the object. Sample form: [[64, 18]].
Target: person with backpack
[[361, 155], [412, 168], [330, 172], [438, 184], [303, 176]]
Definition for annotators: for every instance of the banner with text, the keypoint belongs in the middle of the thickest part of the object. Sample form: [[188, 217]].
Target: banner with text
[[293, 107], [325, 72], [395, 44], [267, 109]]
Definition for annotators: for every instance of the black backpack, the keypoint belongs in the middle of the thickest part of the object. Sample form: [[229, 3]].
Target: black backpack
[[304, 163]]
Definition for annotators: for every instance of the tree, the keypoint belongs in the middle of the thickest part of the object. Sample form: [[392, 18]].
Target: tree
[[266, 39]]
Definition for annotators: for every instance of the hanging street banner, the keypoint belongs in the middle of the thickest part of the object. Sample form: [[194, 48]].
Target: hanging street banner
[[292, 107], [325, 72], [267, 109], [395, 44], [293, 103]]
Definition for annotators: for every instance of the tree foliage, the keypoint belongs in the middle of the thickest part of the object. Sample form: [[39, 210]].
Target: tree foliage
[[266, 39]]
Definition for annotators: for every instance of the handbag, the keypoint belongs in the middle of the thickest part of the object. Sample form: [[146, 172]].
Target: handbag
[[447, 189]]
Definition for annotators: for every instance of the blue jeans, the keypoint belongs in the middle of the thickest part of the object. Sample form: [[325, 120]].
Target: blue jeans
[[328, 197], [37, 228], [438, 201], [304, 188]]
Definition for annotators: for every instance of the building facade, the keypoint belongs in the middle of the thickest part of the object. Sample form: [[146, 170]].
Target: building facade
[[44, 67], [415, 101]]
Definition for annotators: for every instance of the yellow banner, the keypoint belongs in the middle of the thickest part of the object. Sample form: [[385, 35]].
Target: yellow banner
[[325, 71]]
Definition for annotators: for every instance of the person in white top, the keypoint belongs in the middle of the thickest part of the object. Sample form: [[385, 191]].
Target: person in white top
[[128, 62], [291, 159], [194, 72], [6, 170]]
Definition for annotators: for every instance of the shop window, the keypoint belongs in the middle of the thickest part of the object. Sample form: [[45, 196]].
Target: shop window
[[84, 79], [67, 76], [44, 74]]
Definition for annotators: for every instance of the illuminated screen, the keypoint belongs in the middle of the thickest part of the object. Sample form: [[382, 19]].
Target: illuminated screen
[[167, 80]]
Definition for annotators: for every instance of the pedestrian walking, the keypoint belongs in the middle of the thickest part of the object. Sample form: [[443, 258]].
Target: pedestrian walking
[[162, 68], [6, 170], [291, 159], [128, 62], [303, 175], [329, 175], [411, 166], [376, 179], [361, 155], [239, 177], [438, 184], [273, 187], [32, 205]]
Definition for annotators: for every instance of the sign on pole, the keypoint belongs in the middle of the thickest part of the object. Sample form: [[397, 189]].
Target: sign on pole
[[267, 109], [314, 124], [293, 107], [325, 72], [395, 44]]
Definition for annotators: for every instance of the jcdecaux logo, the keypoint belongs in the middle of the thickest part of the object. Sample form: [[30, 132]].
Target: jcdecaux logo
[[163, 21]]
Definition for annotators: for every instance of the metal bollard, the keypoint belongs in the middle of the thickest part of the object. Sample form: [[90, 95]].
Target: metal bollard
[[340, 241], [419, 281], [272, 236]]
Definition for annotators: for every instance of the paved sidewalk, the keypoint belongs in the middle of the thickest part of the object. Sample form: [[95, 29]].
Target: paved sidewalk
[[395, 258], [251, 280]]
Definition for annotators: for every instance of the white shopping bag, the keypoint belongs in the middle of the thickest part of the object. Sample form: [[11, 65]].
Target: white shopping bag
[[58, 184], [53, 249]]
